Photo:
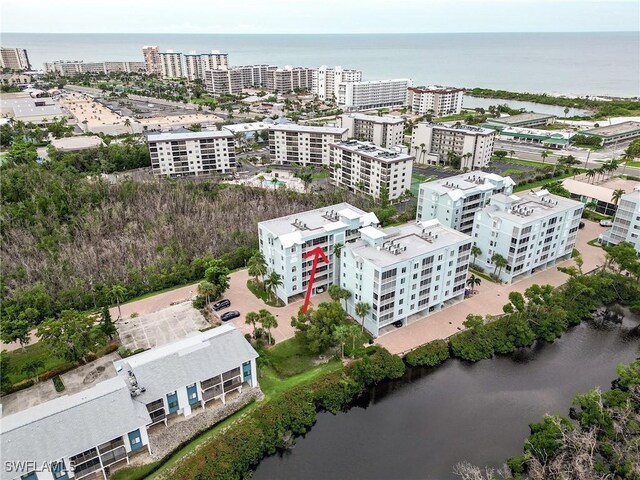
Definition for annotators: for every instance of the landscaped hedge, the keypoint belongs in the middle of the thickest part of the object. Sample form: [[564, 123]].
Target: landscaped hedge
[[429, 355]]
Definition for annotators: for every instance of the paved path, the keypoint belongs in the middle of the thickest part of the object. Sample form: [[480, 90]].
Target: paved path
[[488, 301]]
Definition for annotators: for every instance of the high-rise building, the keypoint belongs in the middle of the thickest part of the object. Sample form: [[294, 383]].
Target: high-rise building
[[71, 68], [14, 59], [198, 63], [152, 60], [255, 75], [433, 144], [326, 80], [284, 242], [436, 100], [289, 79], [530, 231], [387, 131], [626, 223], [455, 200], [354, 96], [171, 63], [302, 144], [191, 154], [370, 170], [219, 82], [404, 272]]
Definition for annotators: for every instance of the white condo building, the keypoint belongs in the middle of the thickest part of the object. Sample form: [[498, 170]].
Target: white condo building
[[187, 154], [171, 64], [284, 241], [436, 100], [218, 82], [303, 145], [354, 96], [404, 272], [71, 68], [626, 223], [431, 144], [198, 63], [326, 80], [454, 201], [288, 79], [255, 75], [14, 59], [368, 169], [531, 231], [386, 131]]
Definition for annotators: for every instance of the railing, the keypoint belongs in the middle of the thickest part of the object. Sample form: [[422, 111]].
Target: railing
[[114, 457], [112, 445], [212, 393]]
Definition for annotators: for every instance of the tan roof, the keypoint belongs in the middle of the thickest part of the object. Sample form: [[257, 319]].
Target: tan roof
[[588, 190]]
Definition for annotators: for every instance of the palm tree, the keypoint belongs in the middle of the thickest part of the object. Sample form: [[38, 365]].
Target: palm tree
[[475, 252], [566, 110], [617, 195], [257, 266], [512, 154], [268, 321], [272, 282], [251, 319], [337, 252], [362, 310], [500, 262], [127, 123], [342, 335], [206, 289], [591, 174], [118, 293], [544, 155], [473, 282]]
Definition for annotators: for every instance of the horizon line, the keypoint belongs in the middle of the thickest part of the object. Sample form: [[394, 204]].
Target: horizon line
[[330, 33]]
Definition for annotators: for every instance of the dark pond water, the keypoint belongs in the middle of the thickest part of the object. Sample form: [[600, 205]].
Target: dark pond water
[[421, 426]]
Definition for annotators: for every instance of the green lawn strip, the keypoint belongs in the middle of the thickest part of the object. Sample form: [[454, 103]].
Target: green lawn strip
[[511, 171], [416, 180], [540, 183], [261, 293], [633, 164], [519, 161], [37, 352], [594, 243], [480, 274], [134, 473], [164, 290], [320, 175], [289, 358]]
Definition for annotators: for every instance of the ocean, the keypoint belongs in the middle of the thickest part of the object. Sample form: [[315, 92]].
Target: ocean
[[555, 63]]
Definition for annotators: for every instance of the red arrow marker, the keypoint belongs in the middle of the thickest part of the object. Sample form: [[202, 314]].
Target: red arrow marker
[[316, 253]]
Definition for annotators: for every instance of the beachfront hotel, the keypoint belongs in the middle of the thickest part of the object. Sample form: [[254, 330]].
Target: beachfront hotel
[[284, 241], [432, 143], [87, 433], [436, 100], [365, 168], [171, 65], [184, 153], [197, 64], [292, 144], [532, 231], [386, 131], [626, 223], [223, 81], [326, 80], [355, 96], [14, 59], [404, 272], [455, 200]]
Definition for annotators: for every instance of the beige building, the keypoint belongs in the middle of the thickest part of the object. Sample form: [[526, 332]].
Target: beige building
[[219, 82], [152, 59], [365, 168], [71, 68], [303, 145], [288, 79], [14, 59], [197, 64], [436, 100], [431, 143], [171, 63], [387, 131]]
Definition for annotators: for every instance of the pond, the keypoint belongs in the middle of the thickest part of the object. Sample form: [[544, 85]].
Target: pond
[[422, 425]]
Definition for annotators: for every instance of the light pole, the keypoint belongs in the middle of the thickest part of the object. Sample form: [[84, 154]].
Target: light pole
[[586, 163]]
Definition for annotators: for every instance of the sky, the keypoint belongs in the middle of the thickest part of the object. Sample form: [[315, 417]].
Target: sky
[[319, 16]]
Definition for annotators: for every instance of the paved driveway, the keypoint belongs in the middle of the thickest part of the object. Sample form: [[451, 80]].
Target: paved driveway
[[488, 301]]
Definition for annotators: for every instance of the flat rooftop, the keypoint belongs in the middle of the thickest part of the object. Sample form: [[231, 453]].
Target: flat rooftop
[[460, 186], [527, 207], [386, 119], [28, 107], [613, 130], [521, 117], [435, 89], [308, 129], [77, 143], [467, 129], [182, 135], [398, 244], [247, 127], [368, 149]]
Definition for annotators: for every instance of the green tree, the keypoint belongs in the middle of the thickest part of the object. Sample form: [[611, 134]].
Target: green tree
[[272, 282], [473, 282], [252, 319], [315, 328], [106, 323], [118, 293], [338, 293], [501, 154], [257, 266], [617, 195], [267, 321], [475, 253], [32, 368], [207, 290], [70, 336], [218, 274], [15, 329], [544, 155], [362, 310], [22, 152], [500, 262]]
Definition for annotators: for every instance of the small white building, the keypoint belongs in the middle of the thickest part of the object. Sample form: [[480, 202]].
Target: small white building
[[531, 231], [431, 143], [436, 100], [284, 241], [455, 200], [386, 131], [365, 168], [626, 223], [375, 94], [303, 144], [188, 154], [405, 272]]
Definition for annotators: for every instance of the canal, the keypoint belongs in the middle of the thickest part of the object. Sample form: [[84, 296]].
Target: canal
[[419, 427]]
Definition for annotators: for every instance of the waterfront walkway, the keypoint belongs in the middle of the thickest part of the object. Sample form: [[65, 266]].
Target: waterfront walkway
[[489, 299]]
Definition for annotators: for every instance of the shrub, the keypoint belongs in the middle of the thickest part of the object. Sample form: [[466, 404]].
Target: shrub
[[123, 351], [57, 383], [472, 345], [134, 315], [429, 355]]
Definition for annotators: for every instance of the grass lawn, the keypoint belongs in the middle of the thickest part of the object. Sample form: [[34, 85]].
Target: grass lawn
[[261, 293], [37, 352], [158, 292], [633, 164], [511, 171], [320, 175], [519, 161], [453, 118], [289, 358], [540, 183], [416, 180]]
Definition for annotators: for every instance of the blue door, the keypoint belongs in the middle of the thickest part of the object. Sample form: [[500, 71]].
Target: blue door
[[192, 394], [172, 400], [246, 371], [135, 440]]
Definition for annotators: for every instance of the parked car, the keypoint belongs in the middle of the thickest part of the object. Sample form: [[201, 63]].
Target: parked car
[[581, 225], [397, 323], [224, 303], [230, 315], [606, 223]]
